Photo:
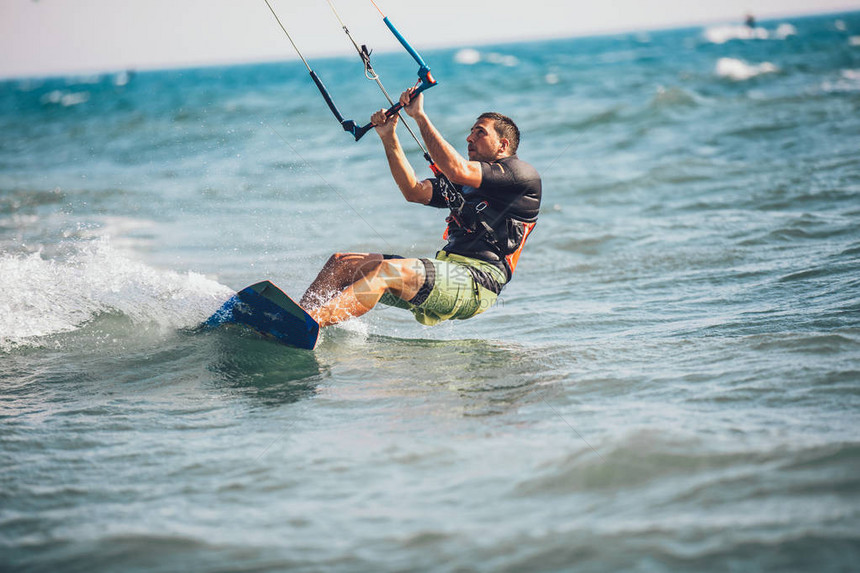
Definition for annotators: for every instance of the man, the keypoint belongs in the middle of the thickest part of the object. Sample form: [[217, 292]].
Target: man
[[494, 199]]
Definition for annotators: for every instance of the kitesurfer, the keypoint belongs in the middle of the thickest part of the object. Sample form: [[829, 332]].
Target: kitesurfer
[[494, 200]]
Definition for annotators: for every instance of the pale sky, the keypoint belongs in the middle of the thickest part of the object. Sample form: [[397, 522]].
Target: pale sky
[[40, 37]]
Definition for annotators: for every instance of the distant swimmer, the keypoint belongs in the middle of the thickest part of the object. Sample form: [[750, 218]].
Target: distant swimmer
[[493, 198], [749, 21]]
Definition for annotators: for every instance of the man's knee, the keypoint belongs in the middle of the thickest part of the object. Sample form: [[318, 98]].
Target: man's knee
[[341, 259], [401, 275], [352, 267]]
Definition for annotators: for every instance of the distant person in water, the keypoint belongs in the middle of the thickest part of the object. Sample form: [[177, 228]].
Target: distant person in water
[[749, 21], [494, 199]]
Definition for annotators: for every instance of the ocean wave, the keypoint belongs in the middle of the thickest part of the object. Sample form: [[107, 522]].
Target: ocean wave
[[738, 70], [648, 457], [848, 81], [122, 78], [672, 473], [674, 97], [467, 57], [12, 202], [470, 57], [44, 297], [723, 34], [726, 33], [597, 118], [816, 343], [65, 98]]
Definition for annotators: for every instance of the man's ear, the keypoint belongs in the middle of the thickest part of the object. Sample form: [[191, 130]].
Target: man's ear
[[505, 144]]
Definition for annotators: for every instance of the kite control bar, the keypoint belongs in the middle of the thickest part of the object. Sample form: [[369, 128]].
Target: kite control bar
[[426, 82], [425, 79], [347, 124]]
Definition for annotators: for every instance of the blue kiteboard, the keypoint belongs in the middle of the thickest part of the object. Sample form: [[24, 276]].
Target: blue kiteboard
[[265, 308]]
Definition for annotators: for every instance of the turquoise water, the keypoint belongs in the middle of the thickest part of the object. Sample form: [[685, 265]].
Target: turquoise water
[[671, 382]]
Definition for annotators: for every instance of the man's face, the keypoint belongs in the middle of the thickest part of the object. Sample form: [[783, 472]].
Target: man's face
[[484, 142]]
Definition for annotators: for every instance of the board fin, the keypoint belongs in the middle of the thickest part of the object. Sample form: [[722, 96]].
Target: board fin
[[265, 308]]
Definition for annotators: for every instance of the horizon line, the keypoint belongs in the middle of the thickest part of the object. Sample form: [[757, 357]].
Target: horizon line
[[340, 53]]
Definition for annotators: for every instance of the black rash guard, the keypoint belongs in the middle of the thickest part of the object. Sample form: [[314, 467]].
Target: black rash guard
[[508, 201]]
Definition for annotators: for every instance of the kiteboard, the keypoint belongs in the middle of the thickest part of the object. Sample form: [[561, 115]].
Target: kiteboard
[[265, 309]]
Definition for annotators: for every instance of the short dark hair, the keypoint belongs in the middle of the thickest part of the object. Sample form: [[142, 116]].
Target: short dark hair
[[505, 127]]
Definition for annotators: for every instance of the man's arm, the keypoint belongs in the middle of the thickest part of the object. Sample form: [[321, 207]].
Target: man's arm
[[404, 175], [456, 167]]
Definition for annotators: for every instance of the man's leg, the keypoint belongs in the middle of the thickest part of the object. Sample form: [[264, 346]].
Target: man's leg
[[351, 284], [340, 271]]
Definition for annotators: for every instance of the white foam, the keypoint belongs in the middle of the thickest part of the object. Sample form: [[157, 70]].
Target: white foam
[[121, 79], [849, 81], [65, 98], [43, 297], [502, 59], [783, 31], [726, 33], [738, 70], [467, 56], [359, 327]]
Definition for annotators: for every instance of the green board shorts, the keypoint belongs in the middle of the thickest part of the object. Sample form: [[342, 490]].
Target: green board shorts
[[455, 287]]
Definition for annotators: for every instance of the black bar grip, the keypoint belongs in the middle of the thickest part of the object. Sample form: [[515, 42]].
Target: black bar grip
[[359, 132], [327, 97]]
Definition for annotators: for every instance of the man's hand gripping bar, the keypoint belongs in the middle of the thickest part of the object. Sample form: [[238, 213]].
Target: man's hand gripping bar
[[425, 82]]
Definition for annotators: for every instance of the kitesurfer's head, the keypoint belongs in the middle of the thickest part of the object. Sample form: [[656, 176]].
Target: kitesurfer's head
[[493, 137]]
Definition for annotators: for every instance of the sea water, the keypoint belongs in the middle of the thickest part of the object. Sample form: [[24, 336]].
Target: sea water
[[670, 382]]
